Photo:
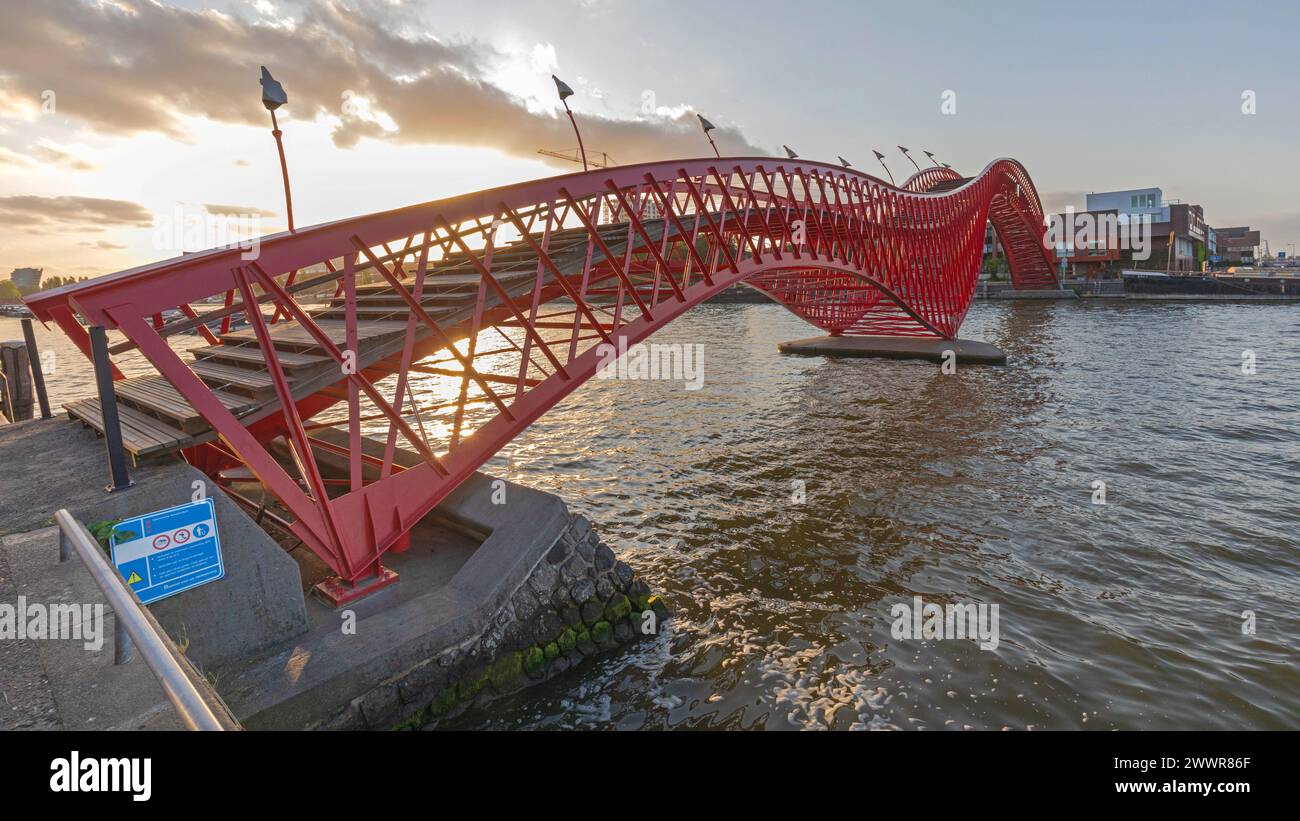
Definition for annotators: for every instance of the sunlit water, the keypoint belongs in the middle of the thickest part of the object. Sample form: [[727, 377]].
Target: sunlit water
[[975, 487]]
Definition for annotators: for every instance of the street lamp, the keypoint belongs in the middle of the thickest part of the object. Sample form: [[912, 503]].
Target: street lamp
[[562, 88], [843, 162], [708, 126], [932, 159], [881, 158], [790, 153], [273, 97], [909, 157]]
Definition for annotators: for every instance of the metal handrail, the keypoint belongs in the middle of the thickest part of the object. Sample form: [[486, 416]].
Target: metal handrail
[[187, 700]]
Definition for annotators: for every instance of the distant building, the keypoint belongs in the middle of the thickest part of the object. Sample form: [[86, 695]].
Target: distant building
[[27, 279], [1179, 235], [1097, 249], [1237, 245], [992, 244]]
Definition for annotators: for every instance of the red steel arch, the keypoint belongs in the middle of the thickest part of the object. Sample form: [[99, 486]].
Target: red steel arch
[[499, 302]]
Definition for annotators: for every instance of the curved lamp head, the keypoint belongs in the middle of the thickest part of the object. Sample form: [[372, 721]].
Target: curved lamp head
[[790, 153], [705, 124], [273, 95], [844, 162], [903, 149], [879, 156], [562, 88], [931, 156]]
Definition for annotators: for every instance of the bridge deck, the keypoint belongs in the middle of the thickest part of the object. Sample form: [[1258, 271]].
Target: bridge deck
[[157, 420]]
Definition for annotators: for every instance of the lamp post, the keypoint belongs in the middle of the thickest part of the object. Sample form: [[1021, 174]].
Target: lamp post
[[909, 157], [273, 97], [708, 126], [562, 88], [790, 153], [932, 159], [881, 158]]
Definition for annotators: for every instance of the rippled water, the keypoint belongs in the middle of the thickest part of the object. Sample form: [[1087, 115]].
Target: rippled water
[[974, 487]]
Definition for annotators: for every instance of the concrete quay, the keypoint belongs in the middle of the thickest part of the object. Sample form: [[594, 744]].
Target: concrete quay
[[501, 588], [965, 351]]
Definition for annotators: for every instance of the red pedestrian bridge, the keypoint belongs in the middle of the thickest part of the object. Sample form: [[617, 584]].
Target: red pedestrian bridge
[[497, 303]]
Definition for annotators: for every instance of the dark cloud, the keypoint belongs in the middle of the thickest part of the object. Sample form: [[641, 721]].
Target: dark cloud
[[133, 66], [87, 214]]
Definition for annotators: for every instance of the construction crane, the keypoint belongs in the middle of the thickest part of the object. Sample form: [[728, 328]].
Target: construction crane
[[572, 155]]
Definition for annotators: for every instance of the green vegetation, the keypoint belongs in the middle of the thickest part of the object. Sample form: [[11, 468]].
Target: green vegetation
[[503, 673], [103, 531]]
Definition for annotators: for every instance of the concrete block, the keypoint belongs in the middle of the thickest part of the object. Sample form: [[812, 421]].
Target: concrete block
[[259, 602], [967, 351]]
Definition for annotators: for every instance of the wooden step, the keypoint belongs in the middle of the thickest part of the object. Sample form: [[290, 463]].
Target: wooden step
[[371, 312], [142, 434], [155, 395], [251, 354], [438, 281], [228, 376], [293, 335]]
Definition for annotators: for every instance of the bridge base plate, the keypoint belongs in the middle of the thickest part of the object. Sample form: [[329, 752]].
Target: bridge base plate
[[967, 351], [336, 592]]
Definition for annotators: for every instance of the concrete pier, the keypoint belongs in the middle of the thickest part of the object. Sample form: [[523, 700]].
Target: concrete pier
[[502, 587], [967, 351], [1009, 293]]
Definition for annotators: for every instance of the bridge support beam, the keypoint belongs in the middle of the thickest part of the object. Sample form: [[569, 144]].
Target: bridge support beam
[[961, 351]]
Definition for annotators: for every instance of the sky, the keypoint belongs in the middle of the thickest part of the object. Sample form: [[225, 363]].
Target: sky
[[124, 124]]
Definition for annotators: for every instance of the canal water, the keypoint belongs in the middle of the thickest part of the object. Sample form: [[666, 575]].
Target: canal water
[[1176, 604]]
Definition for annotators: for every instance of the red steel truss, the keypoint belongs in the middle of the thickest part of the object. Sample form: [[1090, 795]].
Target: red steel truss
[[498, 304]]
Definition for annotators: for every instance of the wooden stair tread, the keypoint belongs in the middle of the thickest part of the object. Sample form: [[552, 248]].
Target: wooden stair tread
[[252, 353], [292, 333], [232, 375], [154, 393], [142, 434]]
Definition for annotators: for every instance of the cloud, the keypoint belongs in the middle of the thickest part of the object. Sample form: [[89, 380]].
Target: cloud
[[236, 210], [1055, 202], [45, 154], [54, 155], [133, 66], [87, 214]]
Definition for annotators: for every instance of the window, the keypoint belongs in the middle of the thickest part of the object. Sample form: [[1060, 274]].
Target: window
[[1133, 201]]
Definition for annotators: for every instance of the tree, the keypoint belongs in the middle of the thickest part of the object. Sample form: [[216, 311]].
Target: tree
[[9, 291]]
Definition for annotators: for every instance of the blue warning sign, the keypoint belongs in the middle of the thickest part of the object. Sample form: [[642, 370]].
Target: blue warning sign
[[169, 551]]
